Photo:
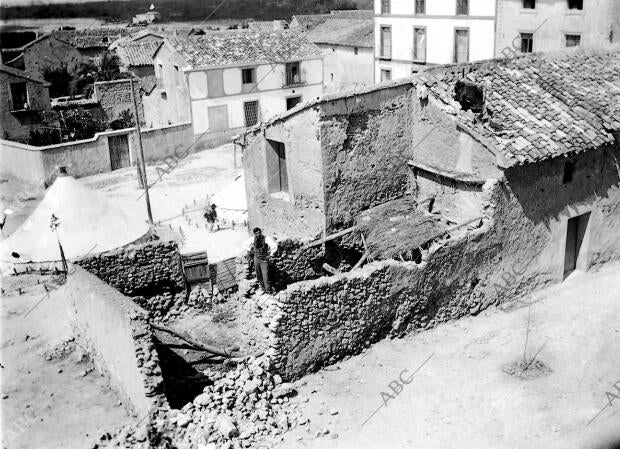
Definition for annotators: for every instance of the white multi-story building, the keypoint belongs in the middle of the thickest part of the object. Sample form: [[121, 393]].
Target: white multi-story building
[[410, 34], [224, 81], [347, 46], [526, 26]]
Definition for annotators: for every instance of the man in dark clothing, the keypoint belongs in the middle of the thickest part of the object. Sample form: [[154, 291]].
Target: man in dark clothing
[[211, 216], [261, 247]]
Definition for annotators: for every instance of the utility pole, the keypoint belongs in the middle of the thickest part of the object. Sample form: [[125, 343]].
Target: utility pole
[[141, 165]]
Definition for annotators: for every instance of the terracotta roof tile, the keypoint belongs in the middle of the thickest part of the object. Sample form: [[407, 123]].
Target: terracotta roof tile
[[92, 38], [351, 32], [233, 48], [545, 105], [137, 53]]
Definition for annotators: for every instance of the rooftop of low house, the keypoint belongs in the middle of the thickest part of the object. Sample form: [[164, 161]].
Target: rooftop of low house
[[354, 13], [348, 32], [92, 38], [137, 54], [534, 107], [136, 37], [20, 73], [42, 38], [222, 48], [309, 21]]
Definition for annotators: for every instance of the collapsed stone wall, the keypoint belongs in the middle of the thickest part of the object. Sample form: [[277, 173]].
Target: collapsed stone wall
[[520, 248], [117, 335], [150, 273], [321, 321], [293, 263]]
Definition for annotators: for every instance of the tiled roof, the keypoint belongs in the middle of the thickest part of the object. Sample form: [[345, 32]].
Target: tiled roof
[[92, 38], [309, 21], [232, 48], [354, 13], [540, 106], [351, 32], [20, 73], [43, 37], [141, 36], [136, 54]]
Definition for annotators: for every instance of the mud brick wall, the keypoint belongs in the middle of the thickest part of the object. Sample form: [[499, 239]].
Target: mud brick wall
[[116, 333], [140, 270], [367, 142], [115, 97]]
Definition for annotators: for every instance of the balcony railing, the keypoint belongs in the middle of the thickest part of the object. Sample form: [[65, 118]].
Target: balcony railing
[[294, 79], [20, 108]]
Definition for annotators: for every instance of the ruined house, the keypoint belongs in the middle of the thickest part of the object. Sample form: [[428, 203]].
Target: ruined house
[[471, 185], [47, 52], [25, 103]]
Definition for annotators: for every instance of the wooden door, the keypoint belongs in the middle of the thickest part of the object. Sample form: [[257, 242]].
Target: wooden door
[[119, 151], [282, 167], [570, 257]]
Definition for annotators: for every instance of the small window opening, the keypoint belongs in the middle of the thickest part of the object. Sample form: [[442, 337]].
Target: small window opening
[[569, 170]]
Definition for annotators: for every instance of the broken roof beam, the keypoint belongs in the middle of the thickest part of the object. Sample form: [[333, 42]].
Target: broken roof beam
[[465, 178], [452, 228], [329, 237]]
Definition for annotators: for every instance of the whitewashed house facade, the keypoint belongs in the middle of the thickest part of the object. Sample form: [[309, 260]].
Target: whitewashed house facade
[[411, 34], [226, 81]]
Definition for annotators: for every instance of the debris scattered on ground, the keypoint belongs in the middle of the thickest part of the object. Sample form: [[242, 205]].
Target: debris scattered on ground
[[243, 407], [527, 370]]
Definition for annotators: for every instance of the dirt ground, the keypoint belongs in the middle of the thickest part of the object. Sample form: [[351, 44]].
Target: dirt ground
[[52, 397], [462, 398]]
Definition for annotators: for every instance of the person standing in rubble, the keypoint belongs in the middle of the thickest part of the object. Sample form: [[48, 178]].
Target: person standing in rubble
[[261, 248]]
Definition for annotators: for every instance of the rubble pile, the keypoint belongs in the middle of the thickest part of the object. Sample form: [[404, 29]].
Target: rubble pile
[[242, 408]]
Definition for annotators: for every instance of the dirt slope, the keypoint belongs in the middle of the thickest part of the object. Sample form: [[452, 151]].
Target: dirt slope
[[462, 398]]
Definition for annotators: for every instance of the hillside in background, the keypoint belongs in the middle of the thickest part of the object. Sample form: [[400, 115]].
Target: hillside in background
[[182, 10]]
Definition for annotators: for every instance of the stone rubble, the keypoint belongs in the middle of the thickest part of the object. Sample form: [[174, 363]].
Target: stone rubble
[[242, 408]]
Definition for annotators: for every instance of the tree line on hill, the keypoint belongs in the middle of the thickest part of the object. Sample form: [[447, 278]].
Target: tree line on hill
[[183, 10]]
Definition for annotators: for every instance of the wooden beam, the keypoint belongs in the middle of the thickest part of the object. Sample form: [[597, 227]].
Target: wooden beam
[[360, 262], [452, 228], [207, 348], [330, 237], [327, 267]]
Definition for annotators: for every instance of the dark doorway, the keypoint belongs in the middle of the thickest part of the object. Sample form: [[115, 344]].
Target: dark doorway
[[276, 167], [119, 151], [292, 102], [574, 257]]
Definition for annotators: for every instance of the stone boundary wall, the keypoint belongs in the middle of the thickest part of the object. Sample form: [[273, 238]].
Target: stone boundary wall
[[321, 321], [139, 270], [292, 264], [117, 335]]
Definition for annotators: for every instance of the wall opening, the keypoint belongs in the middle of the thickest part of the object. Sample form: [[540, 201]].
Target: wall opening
[[291, 102], [569, 169], [276, 167], [575, 255]]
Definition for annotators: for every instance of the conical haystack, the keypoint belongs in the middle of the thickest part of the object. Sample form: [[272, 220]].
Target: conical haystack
[[89, 224]]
